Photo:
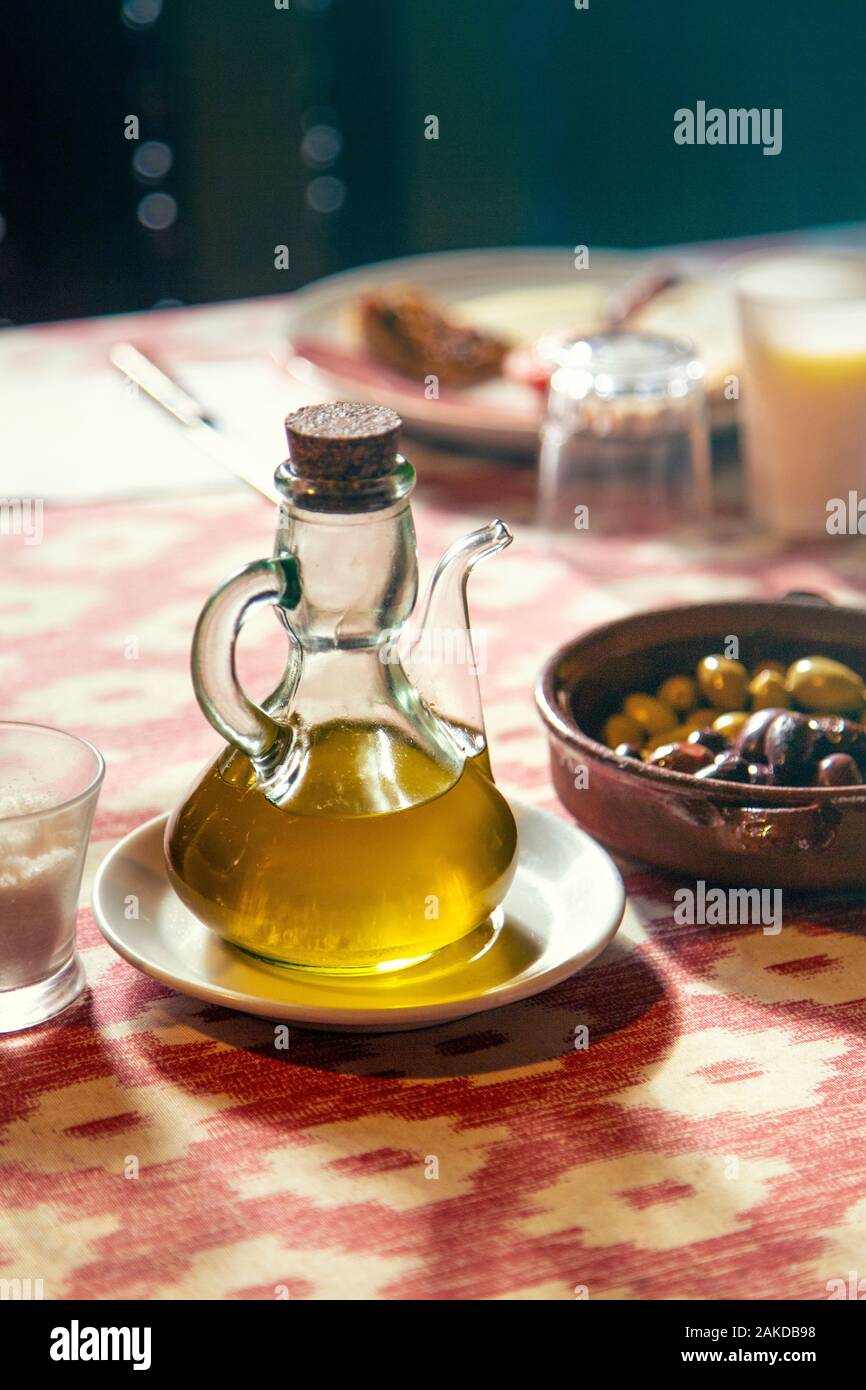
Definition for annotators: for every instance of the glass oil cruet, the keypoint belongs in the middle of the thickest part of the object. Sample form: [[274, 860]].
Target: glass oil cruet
[[352, 823]]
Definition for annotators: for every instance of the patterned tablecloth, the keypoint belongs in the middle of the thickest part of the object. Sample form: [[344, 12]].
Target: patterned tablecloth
[[709, 1142]]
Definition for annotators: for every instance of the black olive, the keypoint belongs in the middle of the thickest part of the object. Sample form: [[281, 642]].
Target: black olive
[[838, 735], [627, 750], [760, 775], [750, 740], [709, 738], [681, 757], [838, 770], [728, 767], [790, 745]]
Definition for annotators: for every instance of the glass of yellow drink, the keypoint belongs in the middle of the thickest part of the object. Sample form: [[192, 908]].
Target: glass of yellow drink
[[803, 324]]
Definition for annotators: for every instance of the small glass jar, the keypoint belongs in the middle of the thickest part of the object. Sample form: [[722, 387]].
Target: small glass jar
[[624, 446], [49, 784]]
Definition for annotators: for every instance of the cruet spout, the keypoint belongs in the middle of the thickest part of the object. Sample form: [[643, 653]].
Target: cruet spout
[[444, 658]]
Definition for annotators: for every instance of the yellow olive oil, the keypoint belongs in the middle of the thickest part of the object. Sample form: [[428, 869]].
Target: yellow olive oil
[[377, 858]]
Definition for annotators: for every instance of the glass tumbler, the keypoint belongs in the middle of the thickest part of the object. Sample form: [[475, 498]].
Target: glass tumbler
[[624, 446], [49, 784]]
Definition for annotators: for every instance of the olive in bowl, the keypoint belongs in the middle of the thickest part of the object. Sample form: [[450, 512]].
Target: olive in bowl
[[755, 833]]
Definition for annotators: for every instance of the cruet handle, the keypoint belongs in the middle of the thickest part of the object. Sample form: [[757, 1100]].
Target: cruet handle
[[214, 674]]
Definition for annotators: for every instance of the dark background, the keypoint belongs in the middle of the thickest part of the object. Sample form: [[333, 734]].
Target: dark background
[[556, 127]]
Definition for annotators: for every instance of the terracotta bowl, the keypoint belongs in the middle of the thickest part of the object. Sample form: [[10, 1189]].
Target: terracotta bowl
[[775, 837]]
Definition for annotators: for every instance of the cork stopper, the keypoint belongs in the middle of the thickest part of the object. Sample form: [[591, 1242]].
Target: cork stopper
[[343, 441]]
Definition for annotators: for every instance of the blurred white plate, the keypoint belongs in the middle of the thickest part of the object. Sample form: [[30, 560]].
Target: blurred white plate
[[519, 293], [565, 905]]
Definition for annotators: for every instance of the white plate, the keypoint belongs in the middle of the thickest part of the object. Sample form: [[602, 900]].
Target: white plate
[[565, 905], [520, 293], [498, 415]]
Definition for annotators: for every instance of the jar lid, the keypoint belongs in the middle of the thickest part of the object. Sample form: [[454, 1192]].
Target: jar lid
[[342, 441]]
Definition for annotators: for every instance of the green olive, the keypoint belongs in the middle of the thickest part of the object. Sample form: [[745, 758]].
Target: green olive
[[653, 715], [619, 728], [778, 666], [730, 723], [823, 686], [768, 690], [679, 692], [699, 719], [723, 682], [678, 734]]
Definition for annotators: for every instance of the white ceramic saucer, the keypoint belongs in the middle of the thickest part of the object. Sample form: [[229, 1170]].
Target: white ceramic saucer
[[564, 906]]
